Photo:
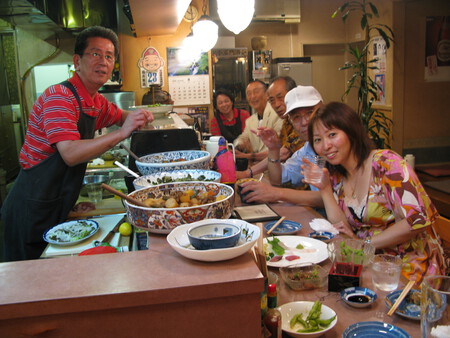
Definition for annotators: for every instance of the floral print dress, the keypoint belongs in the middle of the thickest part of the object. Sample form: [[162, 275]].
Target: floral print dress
[[395, 193]]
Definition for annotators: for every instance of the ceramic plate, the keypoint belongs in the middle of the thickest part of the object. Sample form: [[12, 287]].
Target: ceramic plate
[[289, 310], [179, 241], [285, 228], [405, 309], [355, 296], [314, 251], [374, 329], [71, 233]]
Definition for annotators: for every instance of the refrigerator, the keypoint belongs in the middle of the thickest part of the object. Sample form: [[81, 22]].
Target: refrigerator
[[299, 68], [230, 71]]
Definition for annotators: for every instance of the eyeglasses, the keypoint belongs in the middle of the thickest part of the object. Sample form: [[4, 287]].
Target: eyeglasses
[[98, 56], [298, 116]]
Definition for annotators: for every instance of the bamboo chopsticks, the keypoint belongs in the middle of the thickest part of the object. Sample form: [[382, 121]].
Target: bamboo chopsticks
[[401, 297], [260, 257], [275, 225]]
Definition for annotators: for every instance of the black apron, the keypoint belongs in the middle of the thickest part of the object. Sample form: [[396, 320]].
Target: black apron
[[230, 132], [42, 197]]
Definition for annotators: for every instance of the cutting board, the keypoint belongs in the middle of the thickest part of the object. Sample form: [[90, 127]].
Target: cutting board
[[106, 224], [106, 206]]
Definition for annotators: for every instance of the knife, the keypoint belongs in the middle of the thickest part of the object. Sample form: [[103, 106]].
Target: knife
[[110, 234]]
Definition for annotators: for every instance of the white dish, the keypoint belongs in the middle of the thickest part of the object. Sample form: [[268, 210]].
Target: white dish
[[289, 310], [314, 251], [179, 241], [72, 238]]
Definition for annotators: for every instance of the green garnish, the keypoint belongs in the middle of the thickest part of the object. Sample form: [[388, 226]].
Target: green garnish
[[276, 247], [312, 323], [299, 246]]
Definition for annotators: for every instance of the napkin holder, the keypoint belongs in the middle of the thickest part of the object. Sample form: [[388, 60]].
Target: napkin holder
[[344, 275]]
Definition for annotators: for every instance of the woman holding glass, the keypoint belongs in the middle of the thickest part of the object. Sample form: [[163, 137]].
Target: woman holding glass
[[373, 194]]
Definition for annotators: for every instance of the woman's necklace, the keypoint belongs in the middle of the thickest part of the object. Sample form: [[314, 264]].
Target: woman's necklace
[[354, 187]]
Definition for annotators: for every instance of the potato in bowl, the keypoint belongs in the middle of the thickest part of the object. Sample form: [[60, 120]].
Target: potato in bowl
[[216, 200]]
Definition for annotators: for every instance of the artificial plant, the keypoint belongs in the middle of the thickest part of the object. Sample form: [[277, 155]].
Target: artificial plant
[[376, 122]]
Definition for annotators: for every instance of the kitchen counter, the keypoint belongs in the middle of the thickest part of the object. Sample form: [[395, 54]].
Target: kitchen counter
[[132, 294]]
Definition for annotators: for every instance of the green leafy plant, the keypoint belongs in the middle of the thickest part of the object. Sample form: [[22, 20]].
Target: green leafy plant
[[376, 122]]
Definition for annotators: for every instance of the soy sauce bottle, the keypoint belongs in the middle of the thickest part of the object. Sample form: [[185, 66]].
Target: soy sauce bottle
[[272, 318]]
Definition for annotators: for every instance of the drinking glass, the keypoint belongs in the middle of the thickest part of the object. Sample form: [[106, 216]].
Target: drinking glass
[[95, 192], [313, 170], [386, 271], [434, 307]]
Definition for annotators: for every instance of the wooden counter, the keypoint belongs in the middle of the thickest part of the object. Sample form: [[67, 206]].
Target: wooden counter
[[154, 293]]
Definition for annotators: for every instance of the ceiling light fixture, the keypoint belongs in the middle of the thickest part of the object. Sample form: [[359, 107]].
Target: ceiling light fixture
[[236, 15], [206, 32]]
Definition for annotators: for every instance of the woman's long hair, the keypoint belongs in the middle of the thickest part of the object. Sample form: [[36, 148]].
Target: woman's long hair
[[340, 116]]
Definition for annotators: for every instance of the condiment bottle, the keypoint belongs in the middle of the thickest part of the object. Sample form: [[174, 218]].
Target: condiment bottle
[[272, 319], [224, 163]]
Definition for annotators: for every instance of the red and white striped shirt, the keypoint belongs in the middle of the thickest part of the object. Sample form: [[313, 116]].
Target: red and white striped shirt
[[54, 118]]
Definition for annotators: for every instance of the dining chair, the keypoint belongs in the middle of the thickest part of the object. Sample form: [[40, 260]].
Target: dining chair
[[441, 230]]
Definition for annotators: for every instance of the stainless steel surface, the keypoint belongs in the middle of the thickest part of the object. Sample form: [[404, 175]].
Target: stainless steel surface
[[300, 69]]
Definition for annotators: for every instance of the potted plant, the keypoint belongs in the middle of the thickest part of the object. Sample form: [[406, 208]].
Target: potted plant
[[376, 122]]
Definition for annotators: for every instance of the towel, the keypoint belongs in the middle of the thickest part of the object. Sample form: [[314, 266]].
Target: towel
[[320, 224]]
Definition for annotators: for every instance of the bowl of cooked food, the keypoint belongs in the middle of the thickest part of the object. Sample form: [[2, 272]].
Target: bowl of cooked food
[[304, 276], [174, 204], [307, 319], [173, 160], [214, 235], [186, 175]]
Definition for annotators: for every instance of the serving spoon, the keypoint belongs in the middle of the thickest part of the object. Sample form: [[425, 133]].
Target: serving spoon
[[133, 155], [122, 195], [131, 172]]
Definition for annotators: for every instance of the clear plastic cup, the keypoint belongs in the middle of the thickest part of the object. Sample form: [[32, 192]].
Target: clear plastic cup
[[313, 170]]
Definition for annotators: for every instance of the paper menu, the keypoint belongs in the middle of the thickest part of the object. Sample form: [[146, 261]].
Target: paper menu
[[106, 224]]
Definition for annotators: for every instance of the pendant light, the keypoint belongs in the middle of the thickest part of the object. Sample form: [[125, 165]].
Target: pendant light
[[206, 32], [236, 15]]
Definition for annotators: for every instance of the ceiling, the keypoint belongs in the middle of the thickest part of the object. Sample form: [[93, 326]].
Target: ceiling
[[157, 17]]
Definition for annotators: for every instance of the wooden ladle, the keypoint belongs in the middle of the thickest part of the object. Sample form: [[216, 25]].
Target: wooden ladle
[[122, 195], [133, 155]]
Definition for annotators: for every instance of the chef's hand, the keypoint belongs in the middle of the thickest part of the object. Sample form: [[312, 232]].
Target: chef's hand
[[136, 120], [260, 192]]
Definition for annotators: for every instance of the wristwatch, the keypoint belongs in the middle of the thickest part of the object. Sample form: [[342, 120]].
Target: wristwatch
[[271, 160], [368, 240]]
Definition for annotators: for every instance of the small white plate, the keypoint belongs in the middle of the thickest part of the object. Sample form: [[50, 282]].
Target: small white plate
[[314, 251], [179, 241], [72, 238]]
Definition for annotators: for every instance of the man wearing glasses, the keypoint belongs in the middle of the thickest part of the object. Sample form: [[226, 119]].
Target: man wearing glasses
[[300, 104], [60, 142]]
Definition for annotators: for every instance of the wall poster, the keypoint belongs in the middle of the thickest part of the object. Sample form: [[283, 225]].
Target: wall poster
[[437, 48], [151, 67], [188, 78], [379, 53]]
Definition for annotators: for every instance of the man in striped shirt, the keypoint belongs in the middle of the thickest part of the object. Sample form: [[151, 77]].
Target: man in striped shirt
[[59, 143]]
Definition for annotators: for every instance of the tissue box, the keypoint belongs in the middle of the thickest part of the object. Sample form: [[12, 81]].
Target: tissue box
[[344, 275]]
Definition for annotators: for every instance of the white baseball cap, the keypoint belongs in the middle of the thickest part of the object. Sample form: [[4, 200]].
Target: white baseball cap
[[301, 96]]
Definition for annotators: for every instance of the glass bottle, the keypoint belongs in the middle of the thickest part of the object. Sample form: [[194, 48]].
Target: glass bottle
[[272, 319]]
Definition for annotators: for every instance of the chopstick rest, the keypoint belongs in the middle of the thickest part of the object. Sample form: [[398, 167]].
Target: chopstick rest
[[401, 297]]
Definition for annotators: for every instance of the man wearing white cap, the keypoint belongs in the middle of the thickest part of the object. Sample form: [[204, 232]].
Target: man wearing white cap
[[300, 104]]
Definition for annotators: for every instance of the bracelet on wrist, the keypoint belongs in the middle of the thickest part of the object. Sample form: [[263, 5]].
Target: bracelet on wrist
[[251, 172], [271, 160]]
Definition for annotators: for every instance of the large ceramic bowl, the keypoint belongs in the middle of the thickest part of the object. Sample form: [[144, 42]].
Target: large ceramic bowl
[[163, 220], [173, 160], [179, 241], [187, 175], [290, 310]]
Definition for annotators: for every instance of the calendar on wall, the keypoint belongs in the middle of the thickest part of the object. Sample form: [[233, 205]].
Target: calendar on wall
[[189, 90], [188, 77]]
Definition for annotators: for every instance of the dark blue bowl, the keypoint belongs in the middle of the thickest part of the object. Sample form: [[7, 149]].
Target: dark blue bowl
[[286, 227], [214, 236]]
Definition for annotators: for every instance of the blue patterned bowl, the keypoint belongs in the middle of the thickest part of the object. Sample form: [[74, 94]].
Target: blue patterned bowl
[[173, 160], [164, 220], [177, 176], [214, 236]]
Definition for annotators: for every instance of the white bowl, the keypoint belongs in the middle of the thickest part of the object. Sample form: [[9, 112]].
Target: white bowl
[[179, 241], [289, 310], [214, 235], [170, 160], [177, 176]]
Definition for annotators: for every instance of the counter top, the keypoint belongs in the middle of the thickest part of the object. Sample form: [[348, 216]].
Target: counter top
[[110, 289]]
